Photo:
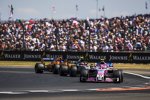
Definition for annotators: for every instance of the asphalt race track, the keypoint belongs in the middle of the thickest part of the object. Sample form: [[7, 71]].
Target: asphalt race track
[[24, 84]]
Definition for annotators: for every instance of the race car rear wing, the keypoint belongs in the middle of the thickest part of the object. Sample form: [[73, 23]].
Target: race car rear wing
[[47, 59]]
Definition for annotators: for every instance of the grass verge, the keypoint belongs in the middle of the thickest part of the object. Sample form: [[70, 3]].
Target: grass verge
[[132, 66], [17, 64]]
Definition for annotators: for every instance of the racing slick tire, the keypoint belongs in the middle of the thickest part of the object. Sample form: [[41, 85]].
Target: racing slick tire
[[83, 75], [80, 68], [39, 67], [118, 75], [63, 71], [56, 69], [73, 71]]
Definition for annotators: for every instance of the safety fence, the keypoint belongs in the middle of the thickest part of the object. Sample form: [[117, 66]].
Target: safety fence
[[116, 57]]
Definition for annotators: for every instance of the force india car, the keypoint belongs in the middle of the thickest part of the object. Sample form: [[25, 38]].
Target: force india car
[[101, 73]]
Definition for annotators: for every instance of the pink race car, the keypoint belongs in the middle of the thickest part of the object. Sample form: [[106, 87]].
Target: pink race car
[[102, 73]]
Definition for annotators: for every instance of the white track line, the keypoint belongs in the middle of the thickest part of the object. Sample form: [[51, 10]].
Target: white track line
[[36, 91], [146, 77], [91, 89], [10, 92], [70, 90]]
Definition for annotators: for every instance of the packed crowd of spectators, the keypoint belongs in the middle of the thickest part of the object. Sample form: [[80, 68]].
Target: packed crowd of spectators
[[131, 33]]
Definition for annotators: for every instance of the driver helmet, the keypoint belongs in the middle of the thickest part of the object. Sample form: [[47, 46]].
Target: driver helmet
[[59, 58], [102, 61], [81, 58]]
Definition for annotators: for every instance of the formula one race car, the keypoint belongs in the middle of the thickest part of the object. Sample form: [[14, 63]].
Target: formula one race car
[[57, 66], [53, 66], [72, 68], [83, 65], [68, 68], [102, 73]]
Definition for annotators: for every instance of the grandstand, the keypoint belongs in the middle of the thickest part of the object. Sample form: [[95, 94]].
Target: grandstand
[[130, 33]]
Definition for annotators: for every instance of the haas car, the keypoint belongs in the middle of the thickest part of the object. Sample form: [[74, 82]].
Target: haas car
[[102, 72]]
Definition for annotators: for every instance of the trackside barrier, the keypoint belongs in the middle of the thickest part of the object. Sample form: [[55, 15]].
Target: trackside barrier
[[116, 57]]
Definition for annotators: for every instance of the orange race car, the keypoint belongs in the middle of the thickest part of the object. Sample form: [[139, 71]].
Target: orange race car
[[53, 66], [57, 66]]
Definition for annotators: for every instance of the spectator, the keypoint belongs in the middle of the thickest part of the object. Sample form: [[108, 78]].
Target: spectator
[[130, 33]]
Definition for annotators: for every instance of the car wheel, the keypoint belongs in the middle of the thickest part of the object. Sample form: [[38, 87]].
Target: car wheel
[[82, 78], [56, 69], [63, 71], [83, 75], [39, 67], [73, 71], [118, 76]]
